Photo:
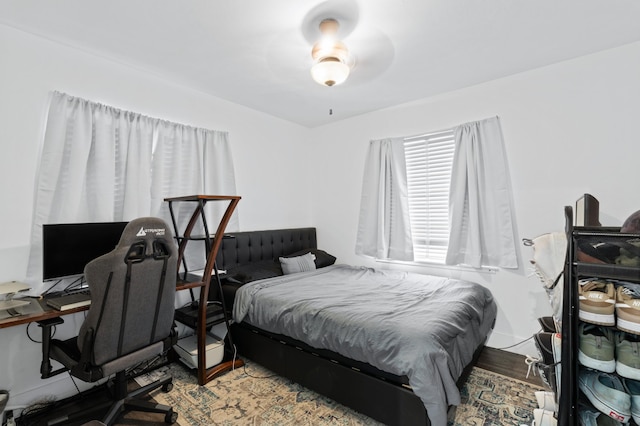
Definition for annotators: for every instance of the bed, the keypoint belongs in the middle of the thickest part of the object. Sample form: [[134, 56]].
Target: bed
[[393, 345]]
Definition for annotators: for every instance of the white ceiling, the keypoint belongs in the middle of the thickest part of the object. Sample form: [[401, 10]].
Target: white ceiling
[[257, 52]]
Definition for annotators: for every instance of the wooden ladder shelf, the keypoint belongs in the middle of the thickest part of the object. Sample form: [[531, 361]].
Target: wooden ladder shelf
[[212, 245]]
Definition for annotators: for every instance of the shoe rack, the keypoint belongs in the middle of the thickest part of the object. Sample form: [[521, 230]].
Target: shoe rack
[[569, 393]]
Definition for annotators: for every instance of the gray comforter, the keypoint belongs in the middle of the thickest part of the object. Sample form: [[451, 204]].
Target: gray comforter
[[421, 326]]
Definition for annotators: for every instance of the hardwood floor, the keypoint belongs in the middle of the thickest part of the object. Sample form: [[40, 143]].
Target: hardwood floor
[[508, 364]]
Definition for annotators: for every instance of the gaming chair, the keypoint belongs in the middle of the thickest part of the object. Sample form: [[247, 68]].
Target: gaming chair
[[130, 319]]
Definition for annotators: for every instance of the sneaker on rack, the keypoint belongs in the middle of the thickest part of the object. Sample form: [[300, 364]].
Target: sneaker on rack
[[548, 324], [607, 394], [544, 417], [628, 355], [597, 301], [546, 400], [556, 347], [596, 347], [628, 307], [629, 253], [591, 417], [547, 363], [633, 390]]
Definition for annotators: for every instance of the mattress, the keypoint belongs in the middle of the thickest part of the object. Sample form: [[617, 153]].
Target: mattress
[[423, 327]]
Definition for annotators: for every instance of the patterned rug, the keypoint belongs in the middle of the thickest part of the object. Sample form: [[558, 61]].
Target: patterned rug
[[253, 395]]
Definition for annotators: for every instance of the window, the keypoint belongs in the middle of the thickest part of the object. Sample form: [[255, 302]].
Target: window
[[116, 165], [429, 159], [458, 175]]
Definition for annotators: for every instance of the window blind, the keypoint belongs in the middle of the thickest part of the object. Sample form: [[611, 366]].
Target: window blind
[[429, 158]]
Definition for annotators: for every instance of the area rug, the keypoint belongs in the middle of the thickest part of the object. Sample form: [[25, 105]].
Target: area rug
[[252, 395]]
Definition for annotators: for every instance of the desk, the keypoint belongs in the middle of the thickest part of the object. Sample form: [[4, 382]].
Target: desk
[[46, 313]]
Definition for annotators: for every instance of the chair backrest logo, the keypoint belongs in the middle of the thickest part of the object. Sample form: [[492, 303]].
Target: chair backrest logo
[[143, 232]]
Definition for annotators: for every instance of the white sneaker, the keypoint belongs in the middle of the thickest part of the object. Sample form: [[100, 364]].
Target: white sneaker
[[589, 416], [632, 388], [546, 401], [607, 394], [544, 418]]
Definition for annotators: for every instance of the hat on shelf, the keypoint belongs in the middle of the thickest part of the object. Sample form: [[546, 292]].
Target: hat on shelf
[[614, 250]]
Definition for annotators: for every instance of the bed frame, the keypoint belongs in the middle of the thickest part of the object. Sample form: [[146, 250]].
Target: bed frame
[[382, 396]]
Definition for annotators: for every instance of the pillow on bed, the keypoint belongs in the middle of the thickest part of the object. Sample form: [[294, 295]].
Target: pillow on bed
[[292, 265], [322, 257], [243, 274]]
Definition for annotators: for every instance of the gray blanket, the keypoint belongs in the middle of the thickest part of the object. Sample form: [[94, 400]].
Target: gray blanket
[[421, 326]]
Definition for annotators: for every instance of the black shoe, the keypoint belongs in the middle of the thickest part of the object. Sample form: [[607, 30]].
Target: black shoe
[[548, 324], [548, 363]]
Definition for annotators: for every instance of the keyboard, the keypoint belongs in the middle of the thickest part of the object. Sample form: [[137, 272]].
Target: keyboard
[[68, 301]]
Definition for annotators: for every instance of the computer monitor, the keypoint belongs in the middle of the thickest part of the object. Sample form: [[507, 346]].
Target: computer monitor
[[68, 247]]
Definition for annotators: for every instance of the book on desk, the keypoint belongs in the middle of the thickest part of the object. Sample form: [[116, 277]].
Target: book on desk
[[68, 301]]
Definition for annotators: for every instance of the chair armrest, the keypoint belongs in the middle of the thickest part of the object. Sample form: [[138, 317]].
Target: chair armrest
[[45, 365]]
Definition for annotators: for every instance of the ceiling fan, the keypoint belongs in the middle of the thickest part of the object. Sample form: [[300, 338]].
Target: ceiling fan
[[359, 51]]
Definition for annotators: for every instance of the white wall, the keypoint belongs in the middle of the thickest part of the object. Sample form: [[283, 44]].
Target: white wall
[[569, 129], [265, 151]]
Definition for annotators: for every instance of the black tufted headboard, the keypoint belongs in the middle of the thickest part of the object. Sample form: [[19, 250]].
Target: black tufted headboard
[[253, 246]]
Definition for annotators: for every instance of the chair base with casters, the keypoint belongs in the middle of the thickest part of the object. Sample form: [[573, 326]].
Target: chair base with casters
[[107, 410], [128, 401]]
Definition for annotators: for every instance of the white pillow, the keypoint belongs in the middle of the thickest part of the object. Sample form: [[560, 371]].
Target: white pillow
[[292, 265]]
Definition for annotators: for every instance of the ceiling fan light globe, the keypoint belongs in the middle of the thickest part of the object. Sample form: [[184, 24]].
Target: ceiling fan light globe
[[330, 72]]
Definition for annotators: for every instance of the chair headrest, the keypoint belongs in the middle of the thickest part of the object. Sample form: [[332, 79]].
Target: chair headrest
[[146, 236]]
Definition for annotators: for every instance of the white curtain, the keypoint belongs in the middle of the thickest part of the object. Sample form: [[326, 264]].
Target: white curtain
[[480, 204], [190, 161], [98, 165], [384, 229]]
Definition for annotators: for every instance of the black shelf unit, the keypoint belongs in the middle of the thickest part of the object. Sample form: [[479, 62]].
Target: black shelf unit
[[575, 270]]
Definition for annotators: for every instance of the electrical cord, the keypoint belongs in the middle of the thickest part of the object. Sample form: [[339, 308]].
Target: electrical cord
[[50, 288], [257, 377], [235, 356], [233, 366], [74, 382], [531, 361], [73, 284], [147, 366], [77, 283], [516, 344], [53, 333]]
